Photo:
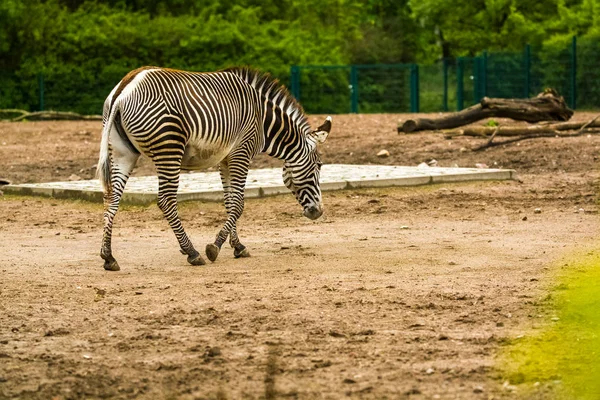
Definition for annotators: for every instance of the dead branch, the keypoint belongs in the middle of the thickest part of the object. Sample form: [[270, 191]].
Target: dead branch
[[556, 133], [10, 113], [48, 116], [546, 106], [554, 129]]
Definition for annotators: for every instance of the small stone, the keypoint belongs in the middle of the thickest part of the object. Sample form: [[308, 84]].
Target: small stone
[[404, 227], [524, 218], [430, 371], [414, 390], [478, 389], [499, 324], [537, 211], [87, 357], [348, 380], [74, 177], [452, 263], [481, 165], [212, 352], [423, 165], [383, 153], [554, 319], [432, 163]]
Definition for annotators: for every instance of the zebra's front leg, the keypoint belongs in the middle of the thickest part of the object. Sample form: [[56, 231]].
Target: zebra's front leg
[[168, 182], [233, 174], [237, 207], [239, 250]]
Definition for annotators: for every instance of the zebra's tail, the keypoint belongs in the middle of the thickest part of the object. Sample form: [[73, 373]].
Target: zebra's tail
[[103, 170]]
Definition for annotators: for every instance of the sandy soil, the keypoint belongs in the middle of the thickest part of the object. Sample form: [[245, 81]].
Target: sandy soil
[[393, 293]]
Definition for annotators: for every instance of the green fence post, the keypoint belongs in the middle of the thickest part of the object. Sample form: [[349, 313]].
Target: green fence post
[[476, 78], [354, 89], [414, 88], [295, 81], [484, 74], [459, 84], [527, 67], [41, 89], [479, 77], [574, 73], [445, 99]]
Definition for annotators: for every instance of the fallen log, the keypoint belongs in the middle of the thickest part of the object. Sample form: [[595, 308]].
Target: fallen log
[[546, 106]]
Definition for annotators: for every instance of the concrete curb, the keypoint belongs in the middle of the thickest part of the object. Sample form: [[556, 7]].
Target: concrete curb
[[206, 186]]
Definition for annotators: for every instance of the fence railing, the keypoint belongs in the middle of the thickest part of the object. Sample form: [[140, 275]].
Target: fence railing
[[445, 86]]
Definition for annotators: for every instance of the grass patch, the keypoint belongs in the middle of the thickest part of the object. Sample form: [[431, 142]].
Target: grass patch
[[565, 355]]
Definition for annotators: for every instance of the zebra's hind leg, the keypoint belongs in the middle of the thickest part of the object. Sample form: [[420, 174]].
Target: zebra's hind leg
[[168, 182], [121, 164]]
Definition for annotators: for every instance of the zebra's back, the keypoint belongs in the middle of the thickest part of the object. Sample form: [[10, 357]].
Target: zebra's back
[[210, 114]]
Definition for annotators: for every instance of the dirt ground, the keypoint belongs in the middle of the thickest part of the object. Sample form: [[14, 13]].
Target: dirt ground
[[393, 293]]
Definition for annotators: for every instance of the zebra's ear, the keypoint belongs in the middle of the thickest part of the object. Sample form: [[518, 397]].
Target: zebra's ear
[[322, 131]]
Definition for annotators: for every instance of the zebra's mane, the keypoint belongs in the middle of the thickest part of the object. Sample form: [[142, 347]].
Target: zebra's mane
[[272, 89]]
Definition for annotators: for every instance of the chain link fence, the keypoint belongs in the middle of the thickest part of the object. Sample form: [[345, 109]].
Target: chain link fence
[[448, 85]]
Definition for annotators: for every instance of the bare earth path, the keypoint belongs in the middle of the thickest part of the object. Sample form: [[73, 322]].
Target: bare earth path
[[394, 293]]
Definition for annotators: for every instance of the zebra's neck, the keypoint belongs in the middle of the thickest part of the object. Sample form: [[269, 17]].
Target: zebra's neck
[[284, 139], [285, 124]]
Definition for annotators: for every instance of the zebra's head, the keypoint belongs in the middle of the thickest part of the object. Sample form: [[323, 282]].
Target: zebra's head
[[301, 176]]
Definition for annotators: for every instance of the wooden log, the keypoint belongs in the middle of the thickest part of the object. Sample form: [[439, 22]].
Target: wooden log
[[546, 106]]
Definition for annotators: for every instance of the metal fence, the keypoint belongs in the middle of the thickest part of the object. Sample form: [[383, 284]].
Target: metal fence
[[452, 84], [445, 86]]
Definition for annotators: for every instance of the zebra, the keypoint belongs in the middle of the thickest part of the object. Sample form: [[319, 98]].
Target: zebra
[[194, 120]]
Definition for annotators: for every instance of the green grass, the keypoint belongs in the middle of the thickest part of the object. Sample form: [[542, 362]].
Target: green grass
[[565, 355]]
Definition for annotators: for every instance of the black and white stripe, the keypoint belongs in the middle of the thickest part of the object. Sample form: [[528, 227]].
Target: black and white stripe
[[187, 120]]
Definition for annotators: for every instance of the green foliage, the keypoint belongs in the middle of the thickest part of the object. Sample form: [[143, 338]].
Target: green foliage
[[91, 44]]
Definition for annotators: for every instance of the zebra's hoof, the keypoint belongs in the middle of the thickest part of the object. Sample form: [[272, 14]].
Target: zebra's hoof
[[242, 252], [111, 265], [196, 259], [212, 251]]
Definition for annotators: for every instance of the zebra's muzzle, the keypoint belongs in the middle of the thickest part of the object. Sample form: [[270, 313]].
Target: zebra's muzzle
[[312, 212]]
